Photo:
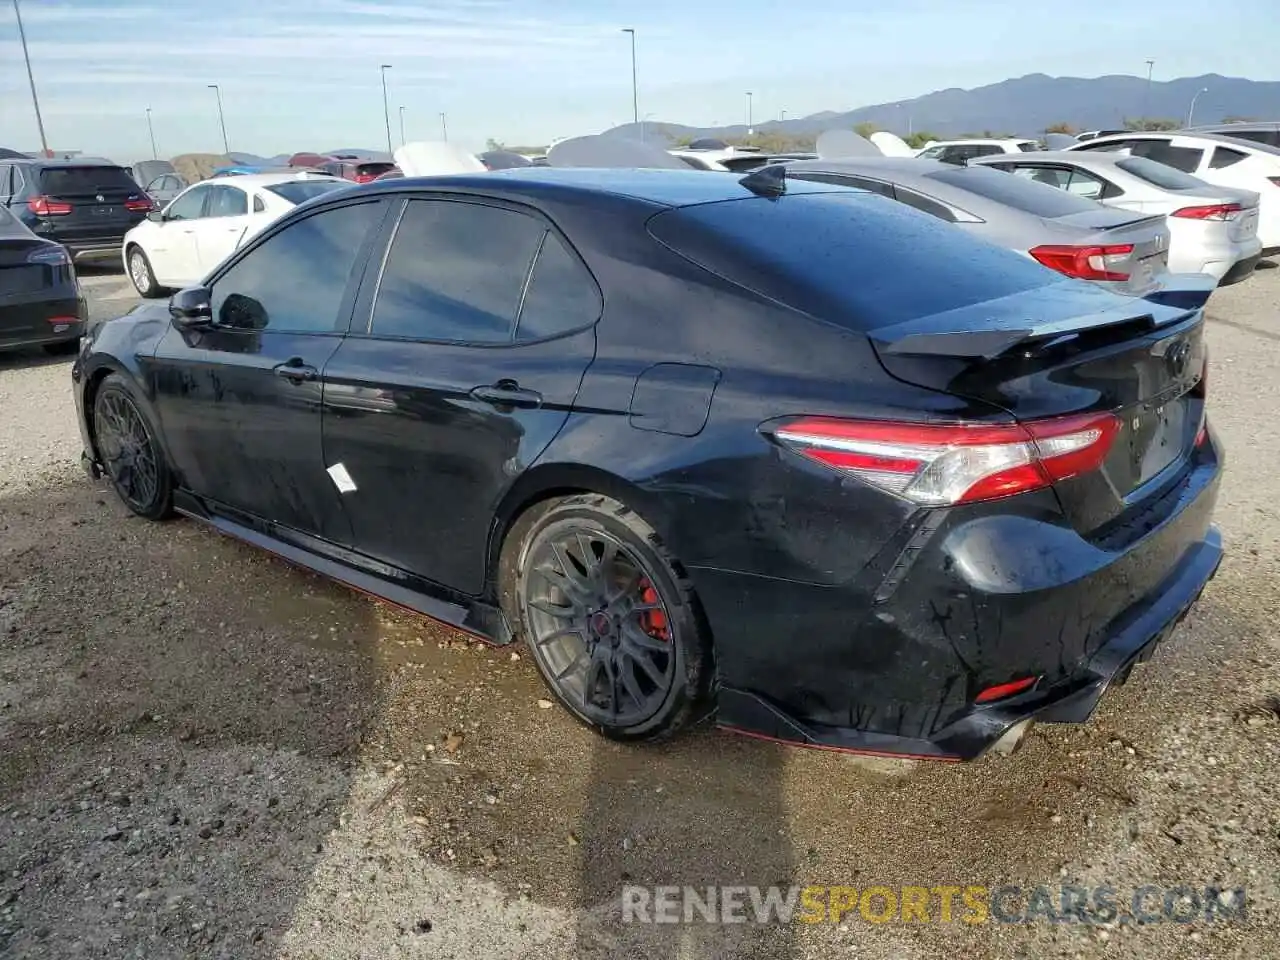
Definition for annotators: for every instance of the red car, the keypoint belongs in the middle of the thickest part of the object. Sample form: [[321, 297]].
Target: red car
[[359, 171]]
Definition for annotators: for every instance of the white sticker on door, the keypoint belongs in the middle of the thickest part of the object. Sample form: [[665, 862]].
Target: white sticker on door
[[341, 479]]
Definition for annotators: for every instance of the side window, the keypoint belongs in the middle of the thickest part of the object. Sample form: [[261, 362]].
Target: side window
[[1112, 146], [258, 205], [1087, 185], [18, 187], [923, 203], [456, 272], [295, 280], [227, 202], [843, 180], [952, 154], [1225, 157], [189, 206], [984, 150], [1058, 177], [6, 180], [561, 296], [1186, 159]]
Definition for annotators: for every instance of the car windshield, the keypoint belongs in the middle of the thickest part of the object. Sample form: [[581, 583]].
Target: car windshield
[[1159, 174], [300, 191], [1025, 195], [856, 258], [58, 181]]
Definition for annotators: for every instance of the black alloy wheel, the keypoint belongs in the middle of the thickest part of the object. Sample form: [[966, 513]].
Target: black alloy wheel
[[611, 624], [129, 453]]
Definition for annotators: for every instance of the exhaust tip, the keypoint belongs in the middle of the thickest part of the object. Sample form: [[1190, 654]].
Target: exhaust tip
[[1011, 740]]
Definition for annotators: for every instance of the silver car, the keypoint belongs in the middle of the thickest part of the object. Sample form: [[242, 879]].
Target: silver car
[[1213, 229], [1124, 251]]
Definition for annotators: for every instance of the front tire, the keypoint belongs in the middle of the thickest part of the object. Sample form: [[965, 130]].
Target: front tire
[[608, 615], [143, 277], [129, 451]]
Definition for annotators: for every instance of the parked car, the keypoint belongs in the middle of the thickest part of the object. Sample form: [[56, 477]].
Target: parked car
[[146, 171], [164, 188], [87, 207], [1081, 238], [1267, 133], [1094, 134], [1222, 161], [207, 222], [879, 487], [40, 301], [1212, 229], [960, 151], [357, 171]]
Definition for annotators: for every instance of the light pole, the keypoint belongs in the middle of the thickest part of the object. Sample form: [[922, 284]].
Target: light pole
[[643, 122], [444, 128], [386, 109], [222, 122], [635, 89], [1192, 109], [1146, 95], [155, 154], [750, 124], [35, 101], [402, 140]]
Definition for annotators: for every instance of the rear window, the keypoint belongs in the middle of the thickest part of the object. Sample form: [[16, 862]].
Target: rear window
[[1036, 199], [855, 259], [1159, 174], [373, 169], [1028, 146], [59, 181], [300, 191]]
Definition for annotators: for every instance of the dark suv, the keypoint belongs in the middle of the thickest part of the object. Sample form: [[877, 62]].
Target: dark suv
[[87, 206]]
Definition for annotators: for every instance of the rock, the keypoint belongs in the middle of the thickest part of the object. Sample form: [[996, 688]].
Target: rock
[[573, 840], [206, 832], [545, 704], [422, 926], [115, 833], [453, 741]]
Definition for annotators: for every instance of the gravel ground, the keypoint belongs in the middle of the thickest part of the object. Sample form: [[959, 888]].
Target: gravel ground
[[205, 752]]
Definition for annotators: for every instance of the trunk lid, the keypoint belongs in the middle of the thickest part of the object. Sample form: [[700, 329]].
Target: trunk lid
[[1087, 351], [1110, 227]]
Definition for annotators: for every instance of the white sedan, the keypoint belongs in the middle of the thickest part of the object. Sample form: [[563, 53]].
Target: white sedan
[[206, 223]]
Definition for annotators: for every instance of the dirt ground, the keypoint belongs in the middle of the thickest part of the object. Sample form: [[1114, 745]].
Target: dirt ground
[[207, 753]]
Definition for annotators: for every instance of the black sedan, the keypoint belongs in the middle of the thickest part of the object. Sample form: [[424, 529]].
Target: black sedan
[[40, 301], [788, 452]]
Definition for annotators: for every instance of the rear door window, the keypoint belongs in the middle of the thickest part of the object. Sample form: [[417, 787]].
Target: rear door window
[[561, 295], [70, 181], [1225, 157], [456, 272], [1186, 159], [227, 201]]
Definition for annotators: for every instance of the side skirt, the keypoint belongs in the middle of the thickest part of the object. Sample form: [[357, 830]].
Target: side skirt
[[363, 574]]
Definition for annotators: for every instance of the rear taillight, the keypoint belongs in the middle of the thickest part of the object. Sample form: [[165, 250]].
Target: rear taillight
[[139, 205], [944, 464], [44, 207], [364, 177], [1217, 211], [1086, 263]]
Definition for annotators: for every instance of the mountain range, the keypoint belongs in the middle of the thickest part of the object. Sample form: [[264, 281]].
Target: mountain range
[[1023, 106]]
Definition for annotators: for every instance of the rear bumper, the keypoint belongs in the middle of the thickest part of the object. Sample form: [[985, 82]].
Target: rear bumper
[[1241, 271], [25, 320], [893, 661]]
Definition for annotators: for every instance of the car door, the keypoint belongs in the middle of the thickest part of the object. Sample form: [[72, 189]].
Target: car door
[[468, 363], [226, 218], [240, 401], [171, 245]]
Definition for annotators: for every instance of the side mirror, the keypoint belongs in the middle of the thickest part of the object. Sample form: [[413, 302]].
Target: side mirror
[[192, 308], [156, 216]]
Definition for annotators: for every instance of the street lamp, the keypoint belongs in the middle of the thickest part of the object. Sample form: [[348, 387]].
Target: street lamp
[[402, 141], [1146, 96], [386, 109], [444, 128], [750, 125], [635, 89], [35, 101], [1191, 111], [222, 121], [155, 155]]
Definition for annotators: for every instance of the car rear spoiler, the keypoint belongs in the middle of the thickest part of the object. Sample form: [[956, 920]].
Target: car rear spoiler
[[1055, 312]]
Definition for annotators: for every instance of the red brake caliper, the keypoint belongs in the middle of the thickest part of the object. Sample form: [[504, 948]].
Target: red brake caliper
[[654, 622]]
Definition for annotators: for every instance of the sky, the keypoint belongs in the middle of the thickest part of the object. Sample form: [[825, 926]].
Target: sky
[[305, 75]]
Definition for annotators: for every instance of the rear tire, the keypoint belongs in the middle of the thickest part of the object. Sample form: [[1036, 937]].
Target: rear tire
[[130, 454], [143, 277], [611, 621]]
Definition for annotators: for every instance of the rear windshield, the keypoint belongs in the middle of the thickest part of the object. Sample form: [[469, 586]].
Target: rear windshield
[[1028, 146], [1036, 199], [373, 169], [61, 181], [1159, 174], [300, 191], [857, 259]]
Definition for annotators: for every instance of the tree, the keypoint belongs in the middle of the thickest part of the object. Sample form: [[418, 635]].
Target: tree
[[917, 140], [865, 129], [1149, 123], [1237, 119], [1060, 127]]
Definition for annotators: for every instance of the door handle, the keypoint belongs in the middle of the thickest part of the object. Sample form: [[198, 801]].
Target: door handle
[[507, 393], [295, 371]]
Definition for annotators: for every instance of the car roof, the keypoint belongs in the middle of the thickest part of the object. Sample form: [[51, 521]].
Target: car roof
[[668, 188], [266, 179], [979, 140], [1101, 157], [1232, 142], [55, 163], [1224, 128]]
